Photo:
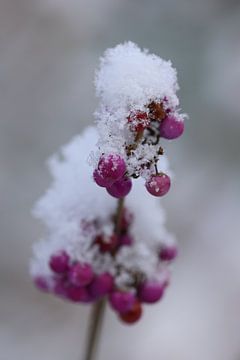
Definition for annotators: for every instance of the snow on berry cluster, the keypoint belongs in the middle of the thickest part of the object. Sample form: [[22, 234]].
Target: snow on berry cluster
[[82, 258], [138, 106]]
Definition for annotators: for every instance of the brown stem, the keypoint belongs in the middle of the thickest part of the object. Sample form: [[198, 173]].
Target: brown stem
[[95, 325], [97, 313]]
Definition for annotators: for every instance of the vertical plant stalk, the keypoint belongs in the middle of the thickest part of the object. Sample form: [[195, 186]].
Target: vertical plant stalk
[[97, 312]]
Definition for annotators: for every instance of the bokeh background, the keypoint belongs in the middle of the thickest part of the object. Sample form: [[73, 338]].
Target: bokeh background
[[48, 52]]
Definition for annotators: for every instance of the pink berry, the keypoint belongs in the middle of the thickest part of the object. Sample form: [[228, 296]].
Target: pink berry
[[168, 253], [41, 283], [80, 274], [111, 167], [171, 127], [158, 185], [122, 301], [120, 188], [151, 291], [59, 262], [76, 293], [101, 285], [101, 181], [126, 240]]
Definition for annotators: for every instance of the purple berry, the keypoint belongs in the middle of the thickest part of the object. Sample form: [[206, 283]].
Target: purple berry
[[168, 253], [151, 291], [171, 127], [76, 294], [120, 188], [60, 288], [111, 167], [126, 240], [122, 301], [101, 285], [158, 185], [41, 283], [101, 181], [80, 274], [59, 262]]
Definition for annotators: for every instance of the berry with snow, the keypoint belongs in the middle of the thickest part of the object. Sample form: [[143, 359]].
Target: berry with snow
[[168, 252], [80, 274], [158, 185], [151, 291], [59, 262], [171, 127], [120, 188]]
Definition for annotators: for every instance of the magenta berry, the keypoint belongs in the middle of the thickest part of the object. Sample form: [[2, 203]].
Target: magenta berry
[[59, 262], [80, 274], [122, 301], [126, 240], [151, 291], [41, 283], [101, 181], [168, 253], [171, 127], [101, 285], [111, 167], [120, 188], [76, 293], [158, 185]]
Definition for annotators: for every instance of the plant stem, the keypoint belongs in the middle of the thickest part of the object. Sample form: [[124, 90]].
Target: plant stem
[[97, 313], [94, 329]]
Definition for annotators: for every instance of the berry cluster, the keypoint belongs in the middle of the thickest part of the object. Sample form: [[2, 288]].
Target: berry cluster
[[78, 282], [138, 107], [148, 127]]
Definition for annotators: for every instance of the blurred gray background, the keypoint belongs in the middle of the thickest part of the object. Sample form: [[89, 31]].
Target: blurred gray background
[[48, 52]]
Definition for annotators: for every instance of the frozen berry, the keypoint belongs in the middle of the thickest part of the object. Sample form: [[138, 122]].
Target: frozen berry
[[107, 243], [151, 291], [171, 127], [120, 188], [80, 274], [122, 301], [168, 253], [111, 167], [158, 185], [101, 285], [59, 262], [101, 181], [132, 315]]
